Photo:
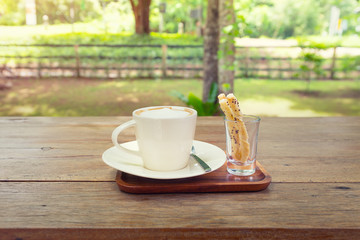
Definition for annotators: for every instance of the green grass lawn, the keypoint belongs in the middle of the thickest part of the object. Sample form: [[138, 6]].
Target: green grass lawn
[[82, 97]]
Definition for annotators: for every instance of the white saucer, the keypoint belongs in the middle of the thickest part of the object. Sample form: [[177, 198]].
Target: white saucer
[[126, 162]]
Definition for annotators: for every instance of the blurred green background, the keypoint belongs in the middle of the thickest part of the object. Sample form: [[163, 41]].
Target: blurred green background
[[263, 22]]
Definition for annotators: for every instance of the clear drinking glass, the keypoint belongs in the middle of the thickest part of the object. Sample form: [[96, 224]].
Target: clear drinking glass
[[239, 163]]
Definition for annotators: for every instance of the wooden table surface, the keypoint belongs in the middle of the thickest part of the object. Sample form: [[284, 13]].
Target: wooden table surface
[[54, 184]]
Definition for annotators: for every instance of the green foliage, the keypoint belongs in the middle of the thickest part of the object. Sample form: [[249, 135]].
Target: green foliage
[[12, 12], [312, 62], [84, 10], [348, 64], [332, 41], [226, 87], [322, 44], [207, 108], [177, 11], [317, 61], [108, 55], [116, 38], [271, 18], [287, 18]]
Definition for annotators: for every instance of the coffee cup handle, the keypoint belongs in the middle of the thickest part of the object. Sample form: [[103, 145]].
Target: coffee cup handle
[[116, 133]]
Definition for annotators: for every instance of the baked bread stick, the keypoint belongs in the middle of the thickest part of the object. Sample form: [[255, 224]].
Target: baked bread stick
[[239, 137]]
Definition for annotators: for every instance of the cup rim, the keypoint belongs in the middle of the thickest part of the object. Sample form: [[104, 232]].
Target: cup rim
[[249, 118], [178, 107]]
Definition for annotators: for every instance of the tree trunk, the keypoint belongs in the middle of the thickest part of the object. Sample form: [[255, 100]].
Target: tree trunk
[[226, 46], [141, 12], [211, 42]]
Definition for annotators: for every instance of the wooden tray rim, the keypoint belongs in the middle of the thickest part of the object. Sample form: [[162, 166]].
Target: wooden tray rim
[[134, 188]]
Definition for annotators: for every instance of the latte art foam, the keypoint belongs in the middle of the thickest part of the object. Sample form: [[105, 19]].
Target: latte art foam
[[164, 112]]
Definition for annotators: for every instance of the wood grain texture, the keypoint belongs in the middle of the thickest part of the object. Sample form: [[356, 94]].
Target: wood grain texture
[[182, 233], [102, 205], [291, 149], [54, 185]]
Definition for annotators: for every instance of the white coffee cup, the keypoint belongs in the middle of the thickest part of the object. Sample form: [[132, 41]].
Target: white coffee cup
[[164, 135]]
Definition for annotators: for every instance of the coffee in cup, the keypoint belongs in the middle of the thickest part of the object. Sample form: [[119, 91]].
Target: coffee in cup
[[164, 135]]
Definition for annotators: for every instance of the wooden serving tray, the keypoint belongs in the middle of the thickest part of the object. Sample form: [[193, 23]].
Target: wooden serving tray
[[216, 181]]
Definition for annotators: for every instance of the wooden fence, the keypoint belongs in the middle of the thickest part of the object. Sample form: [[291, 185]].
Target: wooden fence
[[173, 61]]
